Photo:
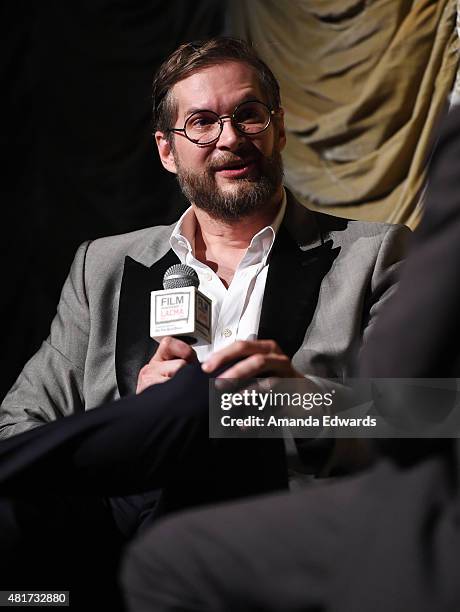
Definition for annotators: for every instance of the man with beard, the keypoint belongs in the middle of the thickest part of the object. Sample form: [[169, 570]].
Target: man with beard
[[292, 291]]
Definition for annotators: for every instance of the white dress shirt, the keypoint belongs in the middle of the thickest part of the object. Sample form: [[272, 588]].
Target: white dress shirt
[[236, 310]]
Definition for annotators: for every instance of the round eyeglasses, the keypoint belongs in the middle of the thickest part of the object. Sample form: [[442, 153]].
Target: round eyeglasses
[[204, 127]]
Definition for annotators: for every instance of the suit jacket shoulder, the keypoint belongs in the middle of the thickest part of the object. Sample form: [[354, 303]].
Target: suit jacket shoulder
[[105, 256]]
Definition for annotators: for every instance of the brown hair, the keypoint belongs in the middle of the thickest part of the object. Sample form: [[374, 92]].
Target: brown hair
[[193, 56]]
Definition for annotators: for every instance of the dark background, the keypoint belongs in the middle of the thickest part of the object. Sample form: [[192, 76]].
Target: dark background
[[77, 155]]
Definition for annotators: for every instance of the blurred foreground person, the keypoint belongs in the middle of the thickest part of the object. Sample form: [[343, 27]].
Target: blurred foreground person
[[385, 540]]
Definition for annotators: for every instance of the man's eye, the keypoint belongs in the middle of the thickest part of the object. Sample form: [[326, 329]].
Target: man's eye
[[201, 122], [250, 116], [247, 115]]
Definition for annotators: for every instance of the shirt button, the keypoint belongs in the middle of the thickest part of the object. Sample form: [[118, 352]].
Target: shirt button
[[207, 276], [227, 332]]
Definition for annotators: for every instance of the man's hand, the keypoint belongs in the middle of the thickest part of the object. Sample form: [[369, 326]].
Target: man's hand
[[263, 358], [172, 355]]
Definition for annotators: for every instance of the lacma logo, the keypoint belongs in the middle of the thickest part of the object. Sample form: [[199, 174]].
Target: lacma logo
[[172, 307]]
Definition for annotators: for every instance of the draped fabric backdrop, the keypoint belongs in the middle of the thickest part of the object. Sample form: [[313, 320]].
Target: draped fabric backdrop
[[364, 84]]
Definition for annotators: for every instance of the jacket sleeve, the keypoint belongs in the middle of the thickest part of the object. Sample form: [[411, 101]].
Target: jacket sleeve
[[385, 274], [344, 455], [51, 383]]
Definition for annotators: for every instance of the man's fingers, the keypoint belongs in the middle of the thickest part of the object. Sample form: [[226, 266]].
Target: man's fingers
[[169, 368], [148, 377], [172, 355], [158, 372], [173, 348], [240, 348], [260, 364]]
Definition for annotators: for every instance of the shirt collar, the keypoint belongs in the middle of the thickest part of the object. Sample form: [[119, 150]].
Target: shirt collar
[[182, 239], [262, 242]]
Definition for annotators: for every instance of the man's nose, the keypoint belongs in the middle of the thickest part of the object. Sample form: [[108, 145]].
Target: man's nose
[[230, 137]]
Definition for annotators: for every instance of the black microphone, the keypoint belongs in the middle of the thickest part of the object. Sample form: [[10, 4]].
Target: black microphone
[[180, 309], [180, 275]]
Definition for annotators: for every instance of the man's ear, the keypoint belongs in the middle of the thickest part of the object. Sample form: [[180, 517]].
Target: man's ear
[[281, 129], [165, 151]]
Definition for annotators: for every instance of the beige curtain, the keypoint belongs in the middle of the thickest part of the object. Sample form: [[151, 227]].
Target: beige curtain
[[363, 84]]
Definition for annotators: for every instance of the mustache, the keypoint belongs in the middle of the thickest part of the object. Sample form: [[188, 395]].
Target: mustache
[[231, 160]]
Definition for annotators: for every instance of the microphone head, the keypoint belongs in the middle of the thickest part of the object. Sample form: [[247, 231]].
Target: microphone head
[[180, 275]]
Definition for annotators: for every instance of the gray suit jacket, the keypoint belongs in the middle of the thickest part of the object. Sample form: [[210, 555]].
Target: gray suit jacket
[[327, 280]]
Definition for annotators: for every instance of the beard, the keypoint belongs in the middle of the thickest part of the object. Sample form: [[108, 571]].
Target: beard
[[246, 195]]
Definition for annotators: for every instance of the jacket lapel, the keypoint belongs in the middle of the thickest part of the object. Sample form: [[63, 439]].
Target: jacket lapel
[[300, 259], [134, 346], [298, 265]]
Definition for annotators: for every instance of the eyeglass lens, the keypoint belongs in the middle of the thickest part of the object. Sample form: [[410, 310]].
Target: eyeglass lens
[[249, 118]]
